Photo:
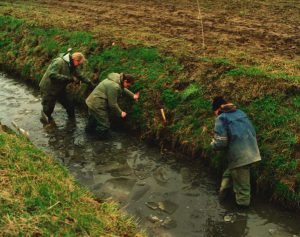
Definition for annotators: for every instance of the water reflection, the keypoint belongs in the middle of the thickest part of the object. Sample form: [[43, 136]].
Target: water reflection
[[236, 225], [170, 197]]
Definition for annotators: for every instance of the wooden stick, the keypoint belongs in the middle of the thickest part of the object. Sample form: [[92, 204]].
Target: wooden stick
[[163, 115]]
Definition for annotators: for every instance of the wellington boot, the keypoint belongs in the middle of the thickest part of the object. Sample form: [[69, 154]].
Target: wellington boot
[[45, 119]]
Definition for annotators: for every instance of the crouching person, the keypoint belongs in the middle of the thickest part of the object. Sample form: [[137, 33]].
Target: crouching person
[[103, 99], [234, 132]]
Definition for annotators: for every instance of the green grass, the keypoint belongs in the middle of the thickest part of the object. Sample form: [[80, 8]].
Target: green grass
[[193, 90], [257, 72], [276, 120], [170, 98], [223, 61], [248, 71], [185, 96], [33, 201]]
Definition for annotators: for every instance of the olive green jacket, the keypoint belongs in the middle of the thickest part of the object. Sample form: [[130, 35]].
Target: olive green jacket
[[105, 95], [58, 75]]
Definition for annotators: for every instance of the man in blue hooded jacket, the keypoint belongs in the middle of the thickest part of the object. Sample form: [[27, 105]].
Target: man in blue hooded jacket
[[235, 133]]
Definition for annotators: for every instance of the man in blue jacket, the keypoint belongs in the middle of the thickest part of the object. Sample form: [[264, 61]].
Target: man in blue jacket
[[234, 132]]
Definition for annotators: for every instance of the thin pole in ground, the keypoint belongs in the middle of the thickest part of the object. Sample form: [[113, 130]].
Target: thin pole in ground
[[201, 23]]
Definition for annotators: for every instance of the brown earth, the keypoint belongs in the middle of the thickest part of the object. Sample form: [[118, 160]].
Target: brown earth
[[247, 32]]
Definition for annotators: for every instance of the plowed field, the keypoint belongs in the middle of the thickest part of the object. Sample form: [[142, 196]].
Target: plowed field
[[248, 32]]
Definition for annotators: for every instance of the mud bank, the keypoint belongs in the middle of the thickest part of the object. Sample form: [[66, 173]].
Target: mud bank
[[184, 88]]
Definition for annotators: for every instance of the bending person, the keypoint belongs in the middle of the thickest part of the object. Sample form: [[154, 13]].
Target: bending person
[[105, 98], [235, 133], [58, 75]]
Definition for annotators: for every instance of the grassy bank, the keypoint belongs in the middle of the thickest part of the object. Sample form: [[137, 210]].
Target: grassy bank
[[38, 197], [184, 88]]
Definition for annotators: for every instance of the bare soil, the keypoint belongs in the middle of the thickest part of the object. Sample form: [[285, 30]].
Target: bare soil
[[247, 32]]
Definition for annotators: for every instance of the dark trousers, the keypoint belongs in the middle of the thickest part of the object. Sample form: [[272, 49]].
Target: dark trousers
[[98, 122], [49, 101]]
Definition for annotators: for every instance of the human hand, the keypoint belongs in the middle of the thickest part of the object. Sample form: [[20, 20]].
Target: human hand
[[136, 96], [123, 114]]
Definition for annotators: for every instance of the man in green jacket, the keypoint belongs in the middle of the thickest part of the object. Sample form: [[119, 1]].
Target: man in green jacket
[[105, 98], [58, 75]]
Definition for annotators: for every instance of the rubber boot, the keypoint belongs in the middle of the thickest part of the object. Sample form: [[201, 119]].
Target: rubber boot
[[45, 119]]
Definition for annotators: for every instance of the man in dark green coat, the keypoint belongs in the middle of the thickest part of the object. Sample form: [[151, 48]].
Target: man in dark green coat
[[105, 98], [58, 75]]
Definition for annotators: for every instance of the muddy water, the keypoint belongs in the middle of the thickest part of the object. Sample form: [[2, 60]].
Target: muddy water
[[168, 197]]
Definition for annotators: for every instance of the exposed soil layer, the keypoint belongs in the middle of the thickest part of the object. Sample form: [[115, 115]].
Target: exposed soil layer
[[251, 32]]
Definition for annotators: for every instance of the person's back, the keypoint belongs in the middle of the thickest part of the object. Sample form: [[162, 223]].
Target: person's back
[[108, 90], [104, 98], [242, 144], [235, 133], [53, 84]]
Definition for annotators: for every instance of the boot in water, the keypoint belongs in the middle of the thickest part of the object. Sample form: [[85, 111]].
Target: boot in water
[[45, 119]]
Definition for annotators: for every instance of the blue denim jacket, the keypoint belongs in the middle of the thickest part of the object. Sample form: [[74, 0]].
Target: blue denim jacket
[[235, 133]]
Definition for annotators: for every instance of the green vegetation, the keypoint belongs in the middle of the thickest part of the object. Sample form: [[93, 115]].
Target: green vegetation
[[183, 92], [35, 202], [240, 70], [257, 72], [277, 120]]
